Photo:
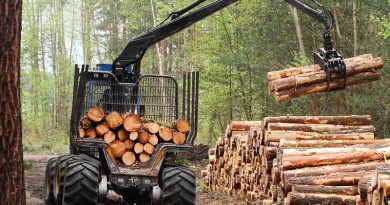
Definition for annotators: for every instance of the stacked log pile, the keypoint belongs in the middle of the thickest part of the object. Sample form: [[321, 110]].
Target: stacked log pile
[[295, 82], [302, 160], [132, 139]]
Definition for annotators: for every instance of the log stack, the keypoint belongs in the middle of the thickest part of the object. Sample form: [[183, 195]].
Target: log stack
[[294, 82], [131, 138], [301, 160]]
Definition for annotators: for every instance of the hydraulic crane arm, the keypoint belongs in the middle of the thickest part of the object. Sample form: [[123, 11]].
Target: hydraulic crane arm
[[322, 16], [327, 57], [136, 48]]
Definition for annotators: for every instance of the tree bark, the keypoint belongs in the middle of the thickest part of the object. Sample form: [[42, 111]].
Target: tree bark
[[323, 87], [331, 169], [244, 125], [11, 153], [336, 120], [319, 127], [343, 158], [353, 68], [338, 179], [334, 143], [274, 75], [318, 189], [304, 199], [299, 136]]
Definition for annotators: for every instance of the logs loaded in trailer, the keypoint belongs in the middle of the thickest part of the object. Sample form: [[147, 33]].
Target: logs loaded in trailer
[[109, 101]]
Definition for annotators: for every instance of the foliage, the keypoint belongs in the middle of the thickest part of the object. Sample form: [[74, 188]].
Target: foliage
[[233, 50]]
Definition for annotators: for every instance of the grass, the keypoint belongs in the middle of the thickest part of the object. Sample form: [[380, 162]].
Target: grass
[[28, 165], [51, 142]]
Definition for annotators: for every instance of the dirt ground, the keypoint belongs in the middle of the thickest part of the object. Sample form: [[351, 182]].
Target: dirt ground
[[34, 177]]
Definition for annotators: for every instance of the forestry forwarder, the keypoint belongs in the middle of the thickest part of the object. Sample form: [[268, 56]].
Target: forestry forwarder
[[90, 170]]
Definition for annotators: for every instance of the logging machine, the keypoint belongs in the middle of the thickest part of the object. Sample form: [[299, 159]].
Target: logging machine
[[90, 170]]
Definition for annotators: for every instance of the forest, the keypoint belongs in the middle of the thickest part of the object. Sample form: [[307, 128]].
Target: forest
[[233, 50]]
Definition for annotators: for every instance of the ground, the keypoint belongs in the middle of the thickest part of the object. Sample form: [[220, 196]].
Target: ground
[[34, 175]]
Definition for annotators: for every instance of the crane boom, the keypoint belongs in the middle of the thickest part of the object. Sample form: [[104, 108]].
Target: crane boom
[[136, 48]]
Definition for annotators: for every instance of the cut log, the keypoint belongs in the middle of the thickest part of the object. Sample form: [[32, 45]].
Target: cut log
[[290, 152], [133, 136], [274, 75], [123, 135], [144, 157], [109, 136], [143, 137], [366, 185], [319, 127], [165, 134], [118, 148], [318, 189], [128, 158], [102, 129], [340, 179], [132, 123], [183, 126], [332, 169], [323, 87], [151, 127], [179, 138], [138, 148], [310, 161], [153, 139], [335, 143], [114, 120], [95, 114], [276, 136], [305, 199], [90, 133], [129, 144], [148, 148], [81, 132], [244, 125], [85, 123], [320, 76], [336, 120]]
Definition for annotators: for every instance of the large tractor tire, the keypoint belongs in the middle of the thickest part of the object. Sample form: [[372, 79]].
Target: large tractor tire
[[178, 186], [49, 181], [59, 176], [81, 183]]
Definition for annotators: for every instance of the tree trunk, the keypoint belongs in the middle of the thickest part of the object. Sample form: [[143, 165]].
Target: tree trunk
[[297, 24], [355, 36], [11, 161]]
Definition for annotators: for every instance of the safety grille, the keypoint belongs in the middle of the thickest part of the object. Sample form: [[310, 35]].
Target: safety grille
[[152, 97]]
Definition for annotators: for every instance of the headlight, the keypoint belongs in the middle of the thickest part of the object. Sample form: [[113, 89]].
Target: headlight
[[147, 181]]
